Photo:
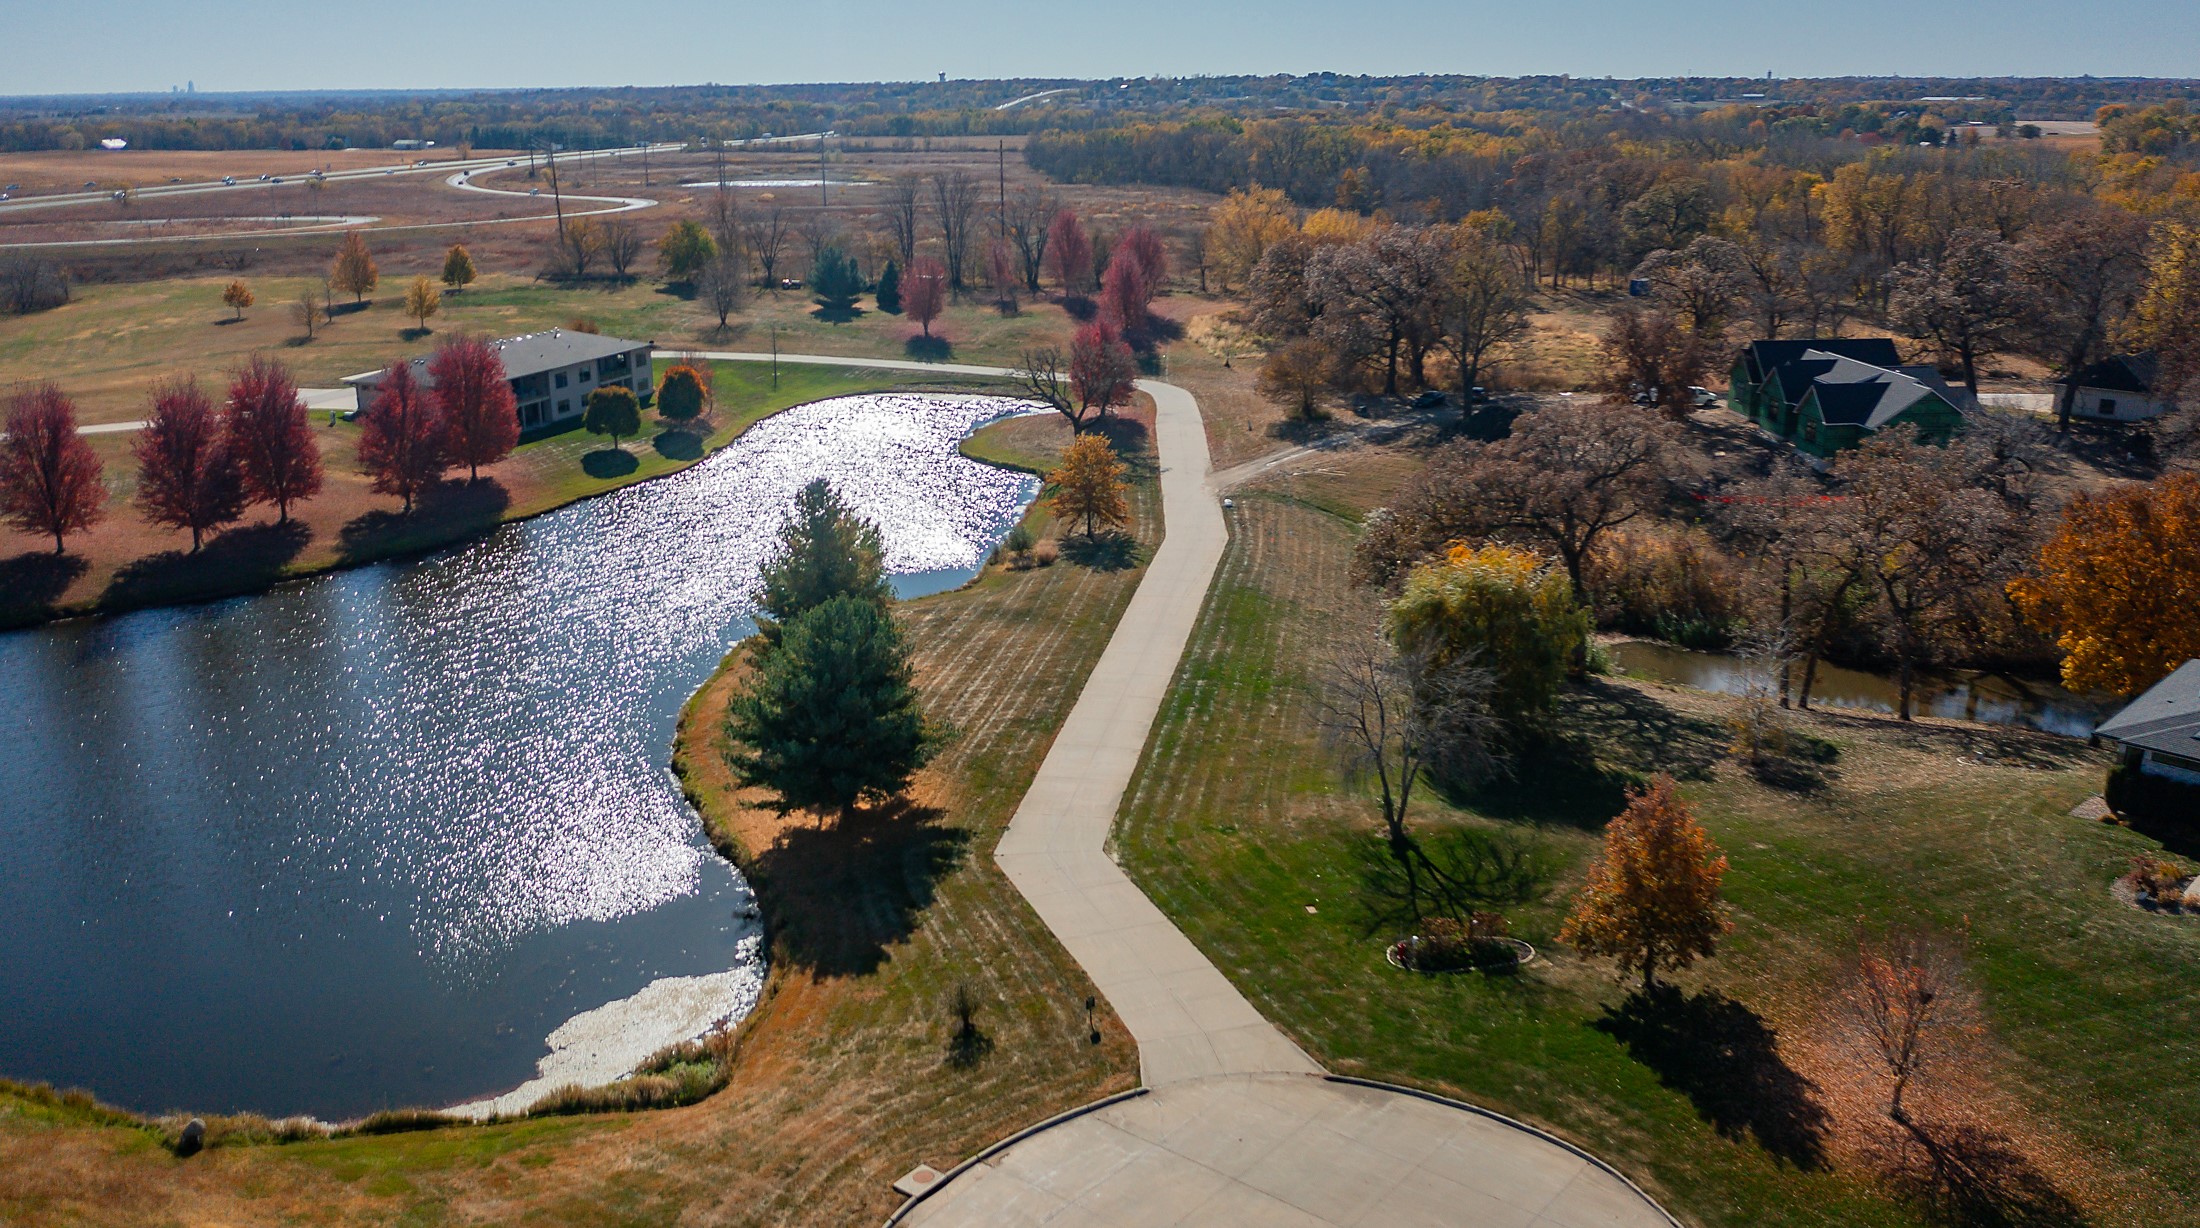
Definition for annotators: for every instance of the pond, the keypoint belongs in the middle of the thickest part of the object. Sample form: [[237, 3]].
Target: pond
[[369, 840], [1963, 695]]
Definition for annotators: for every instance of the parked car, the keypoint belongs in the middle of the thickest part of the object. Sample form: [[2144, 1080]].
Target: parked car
[[1478, 395], [1431, 399], [534, 191], [1703, 398]]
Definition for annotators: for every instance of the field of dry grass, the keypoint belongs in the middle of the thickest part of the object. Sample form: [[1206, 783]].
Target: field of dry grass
[[846, 1076]]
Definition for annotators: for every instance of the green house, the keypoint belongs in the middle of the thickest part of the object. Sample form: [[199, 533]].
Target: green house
[[1824, 400]]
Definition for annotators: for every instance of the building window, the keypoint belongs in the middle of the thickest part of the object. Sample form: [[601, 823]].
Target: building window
[[561, 379], [585, 375], [2108, 407], [564, 407]]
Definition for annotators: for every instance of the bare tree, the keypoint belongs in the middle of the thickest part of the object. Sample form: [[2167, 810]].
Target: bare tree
[[724, 219], [1043, 374], [1967, 304], [31, 283], [311, 310], [765, 238], [1906, 994], [1394, 717], [1701, 283], [954, 211], [903, 205], [1027, 218], [819, 230], [1481, 309], [622, 244], [723, 283], [2081, 278]]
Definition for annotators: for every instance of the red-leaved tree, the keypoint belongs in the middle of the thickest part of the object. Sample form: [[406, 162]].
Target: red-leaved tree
[[1124, 294], [1069, 253], [924, 292], [271, 438], [187, 476], [480, 415], [402, 444], [49, 477], [1143, 245], [1102, 369]]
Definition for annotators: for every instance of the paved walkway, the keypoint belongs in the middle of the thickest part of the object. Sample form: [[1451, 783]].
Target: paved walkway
[[1237, 1125]]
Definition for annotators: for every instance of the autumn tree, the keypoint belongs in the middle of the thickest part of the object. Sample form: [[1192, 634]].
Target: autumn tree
[[1042, 372], [1565, 477], [1242, 228], [1294, 376], [2080, 278], [575, 247], [422, 300], [311, 310], [1377, 300], [622, 245], [1069, 253], [1652, 899], [1088, 486], [924, 295], [1906, 995], [1028, 220], [237, 296], [1481, 305], [271, 437], [1653, 356], [684, 394], [685, 250], [1003, 276], [188, 478], [1505, 611], [50, 481], [1102, 370], [353, 272], [612, 410], [2119, 583], [1967, 304], [402, 441], [2166, 319], [458, 268], [474, 400]]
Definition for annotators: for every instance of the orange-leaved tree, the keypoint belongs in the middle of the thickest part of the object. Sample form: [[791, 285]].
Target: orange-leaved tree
[[237, 297], [1652, 899], [1088, 486], [2118, 584], [354, 272]]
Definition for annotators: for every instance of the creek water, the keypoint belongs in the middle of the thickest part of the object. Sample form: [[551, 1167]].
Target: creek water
[[1965, 695], [367, 840]]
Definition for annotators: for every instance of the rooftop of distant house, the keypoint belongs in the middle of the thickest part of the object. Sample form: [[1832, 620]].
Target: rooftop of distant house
[[2166, 718], [530, 354]]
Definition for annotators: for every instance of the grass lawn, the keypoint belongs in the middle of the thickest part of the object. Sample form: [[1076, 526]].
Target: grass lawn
[[846, 1076], [1740, 1102], [125, 563]]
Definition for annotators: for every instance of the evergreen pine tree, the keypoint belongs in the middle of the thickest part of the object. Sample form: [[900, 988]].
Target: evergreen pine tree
[[825, 551], [889, 289]]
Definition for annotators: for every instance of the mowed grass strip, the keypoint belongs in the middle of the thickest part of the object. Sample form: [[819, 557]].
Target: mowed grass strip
[[847, 1074], [1745, 1104]]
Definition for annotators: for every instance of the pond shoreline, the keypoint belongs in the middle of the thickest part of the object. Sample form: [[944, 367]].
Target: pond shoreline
[[437, 538]]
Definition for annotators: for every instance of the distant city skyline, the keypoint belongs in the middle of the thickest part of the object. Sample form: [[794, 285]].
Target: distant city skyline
[[153, 46]]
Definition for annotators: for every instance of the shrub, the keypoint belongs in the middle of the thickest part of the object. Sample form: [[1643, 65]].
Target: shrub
[[1446, 944], [1018, 544], [2155, 877], [1045, 553], [1677, 586]]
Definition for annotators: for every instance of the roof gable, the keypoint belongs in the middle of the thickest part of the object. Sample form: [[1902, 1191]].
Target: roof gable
[[1762, 358], [2166, 717], [529, 354], [2133, 373]]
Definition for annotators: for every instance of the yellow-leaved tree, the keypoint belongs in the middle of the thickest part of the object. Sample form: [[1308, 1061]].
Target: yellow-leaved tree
[[1652, 899], [1243, 227], [422, 300], [2118, 585], [237, 296], [1088, 486], [1501, 609], [458, 267], [354, 272]]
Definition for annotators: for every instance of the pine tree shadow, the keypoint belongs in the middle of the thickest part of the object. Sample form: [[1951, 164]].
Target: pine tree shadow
[[831, 313], [1107, 551], [1970, 1176], [445, 513], [929, 349], [679, 443], [1726, 1060], [606, 463], [31, 582], [846, 892], [241, 560]]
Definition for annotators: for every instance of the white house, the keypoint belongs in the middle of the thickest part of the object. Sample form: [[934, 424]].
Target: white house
[[551, 373], [2119, 389]]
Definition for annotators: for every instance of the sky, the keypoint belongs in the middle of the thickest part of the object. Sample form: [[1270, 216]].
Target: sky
[[100, 46]]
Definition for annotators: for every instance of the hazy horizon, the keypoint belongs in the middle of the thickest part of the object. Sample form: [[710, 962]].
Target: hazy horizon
[[248, 46]]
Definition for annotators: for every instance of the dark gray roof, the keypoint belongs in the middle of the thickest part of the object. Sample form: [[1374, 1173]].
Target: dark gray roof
[[1762, 358], [2122, 373], [2165, 718], [530, 354]]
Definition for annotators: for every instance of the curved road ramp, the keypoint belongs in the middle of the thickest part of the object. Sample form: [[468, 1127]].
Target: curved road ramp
[[1236, 1125]]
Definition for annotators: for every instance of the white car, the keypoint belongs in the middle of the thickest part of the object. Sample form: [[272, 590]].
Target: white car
[[1702, 398], [229, 180]]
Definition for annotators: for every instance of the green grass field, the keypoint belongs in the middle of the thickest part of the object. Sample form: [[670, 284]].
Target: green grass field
[[1740, 1103]]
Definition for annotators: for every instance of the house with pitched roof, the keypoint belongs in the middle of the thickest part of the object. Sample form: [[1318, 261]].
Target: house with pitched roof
[[1826, 395], [2117, 389], [551, 374], [2157, 737]]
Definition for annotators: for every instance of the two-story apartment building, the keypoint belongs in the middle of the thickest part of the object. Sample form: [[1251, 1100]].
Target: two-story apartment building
[[551, 374]]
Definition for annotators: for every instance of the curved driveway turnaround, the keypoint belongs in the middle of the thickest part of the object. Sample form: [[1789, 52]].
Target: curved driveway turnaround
[[1239, 1126]]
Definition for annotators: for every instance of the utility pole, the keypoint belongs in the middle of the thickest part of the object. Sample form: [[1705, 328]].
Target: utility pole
[[557, 194], [775, 358], [645, 162], [821, 167], [1000, 150]]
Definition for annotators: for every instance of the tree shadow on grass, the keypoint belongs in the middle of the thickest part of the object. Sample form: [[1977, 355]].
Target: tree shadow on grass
[[831, 314], [929, 349], [1080, 308], [606, 463], [1726, 1060], [1461, 871], [843, 894], [1973, 1177], [32, 581], [448, 512], [242, 560], [1109, 551], [678, 443]]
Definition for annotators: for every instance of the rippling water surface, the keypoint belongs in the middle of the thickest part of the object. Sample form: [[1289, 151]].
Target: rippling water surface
[[367, 840]]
